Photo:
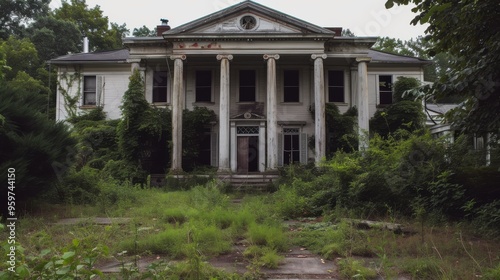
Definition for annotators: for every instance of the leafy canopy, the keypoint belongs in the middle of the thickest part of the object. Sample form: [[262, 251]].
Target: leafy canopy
[[469, 31]]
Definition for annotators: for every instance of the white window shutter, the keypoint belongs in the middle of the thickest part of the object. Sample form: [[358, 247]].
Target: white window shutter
[[100, 90], [213, 146], [303, 148], [280, 149]]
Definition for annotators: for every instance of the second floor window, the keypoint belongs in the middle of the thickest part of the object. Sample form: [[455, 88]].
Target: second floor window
[[247, 85], [160, 84], [203, 86], [291, 86], [336, 86]]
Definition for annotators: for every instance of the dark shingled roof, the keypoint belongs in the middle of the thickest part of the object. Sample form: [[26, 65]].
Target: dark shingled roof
[[105, 56], [121, 56], [384, 57]]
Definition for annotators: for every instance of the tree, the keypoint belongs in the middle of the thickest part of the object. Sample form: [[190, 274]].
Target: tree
[[14, 13], [92, 23], [405, 113], [38, 149], [470, 32], [20, 55], [144, 31], [45, 34]]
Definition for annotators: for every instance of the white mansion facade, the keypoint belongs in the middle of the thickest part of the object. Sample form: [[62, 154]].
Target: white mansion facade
[[260, 70]]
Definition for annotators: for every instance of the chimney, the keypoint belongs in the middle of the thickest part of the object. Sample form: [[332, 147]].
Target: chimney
[[85, 44], [162, 27]]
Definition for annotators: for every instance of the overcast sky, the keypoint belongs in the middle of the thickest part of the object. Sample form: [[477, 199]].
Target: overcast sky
[[363, 17]]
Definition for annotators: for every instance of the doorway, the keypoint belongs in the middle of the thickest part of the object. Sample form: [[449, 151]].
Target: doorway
[[248, 154]]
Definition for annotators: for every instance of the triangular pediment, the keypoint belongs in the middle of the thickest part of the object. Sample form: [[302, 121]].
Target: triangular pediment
[[247, 19]]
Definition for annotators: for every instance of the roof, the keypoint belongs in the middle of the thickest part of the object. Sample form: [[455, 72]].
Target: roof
[[114, 56], [385, 57], [248, 6], [121, 56]]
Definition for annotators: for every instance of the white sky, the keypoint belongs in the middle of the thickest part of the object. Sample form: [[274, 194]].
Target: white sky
[[363, 17]]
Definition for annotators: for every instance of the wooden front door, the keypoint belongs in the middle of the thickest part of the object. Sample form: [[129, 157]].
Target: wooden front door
[[248, 154]]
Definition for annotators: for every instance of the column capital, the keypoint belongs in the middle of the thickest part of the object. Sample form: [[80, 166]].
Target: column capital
[[268, 56], [224, 56], [363, 59], [178, 56], [134, 60], [321, 55]]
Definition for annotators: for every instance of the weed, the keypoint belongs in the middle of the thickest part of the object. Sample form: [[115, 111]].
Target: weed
[[264, 235], [354, 269]]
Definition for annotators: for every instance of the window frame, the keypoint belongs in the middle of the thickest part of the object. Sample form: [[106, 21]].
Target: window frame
[[87, 91], [291, 151], [330, 86], [166, 86], [285, 86], [255, 86], [210, 86], [380, 92]]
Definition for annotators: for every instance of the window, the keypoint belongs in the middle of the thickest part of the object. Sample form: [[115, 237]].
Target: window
[[89, 90], [291, 146], [336, 86], [247, 85], [385, 89], [291, 86], [203, 86], [160, 84]]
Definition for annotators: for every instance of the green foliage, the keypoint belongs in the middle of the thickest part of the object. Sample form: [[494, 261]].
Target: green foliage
[[263, 256], [402, 89], [195, 124], [354, 269], [144, 31], [45, 32], [21, 55], [16, 12], [137, 124], [464, 31], [341, 134], [423, 268], [91, 22], [28, 142], [270, 236], [405, 115]]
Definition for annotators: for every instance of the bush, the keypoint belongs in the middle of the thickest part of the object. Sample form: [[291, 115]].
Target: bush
[[271, 236]]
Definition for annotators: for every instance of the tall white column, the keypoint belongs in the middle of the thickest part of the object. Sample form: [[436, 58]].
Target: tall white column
[[224, 145], [272, 122], [363, 108], [319, 108], [177, 108]]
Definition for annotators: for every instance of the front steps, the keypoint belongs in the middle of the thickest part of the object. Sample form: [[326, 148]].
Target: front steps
[[244, 182]]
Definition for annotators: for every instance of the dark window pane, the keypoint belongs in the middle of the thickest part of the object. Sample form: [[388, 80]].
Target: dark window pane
[[287, 157], [291, 86], [160, 78], [159, 94], [203, 78], [203, 94], [291, 78], [336, 78], [336, 86], [386, 98], [247, 85], [291, 94], [295, 156], [295, 142], [335, 94], [288, 142], [247, 94], [90, 83], [247, 78], [160, 83], [385, 83], [385, 89]]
